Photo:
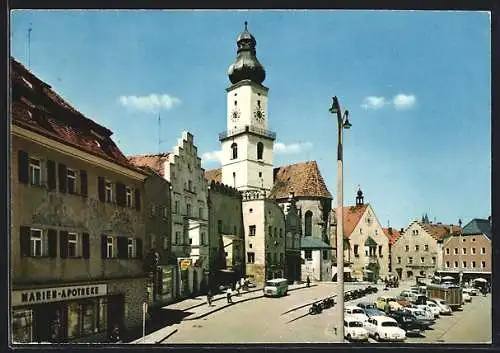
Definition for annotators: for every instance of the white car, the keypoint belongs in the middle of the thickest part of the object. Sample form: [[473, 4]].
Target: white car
[[354, 329], [432, 313], [473, 291], [420, 313], [356, 312], [384, 328], [443, 305], [466, 295], [434, 308]]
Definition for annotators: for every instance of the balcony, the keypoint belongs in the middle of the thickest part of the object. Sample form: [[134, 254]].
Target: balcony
[[244, 129]]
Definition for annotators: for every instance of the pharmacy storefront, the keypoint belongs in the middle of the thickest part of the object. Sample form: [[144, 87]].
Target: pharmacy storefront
[[62, 314]]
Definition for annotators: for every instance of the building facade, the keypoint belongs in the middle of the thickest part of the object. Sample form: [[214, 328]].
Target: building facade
[[417, 251], [293, 229], [77, 227], [469, 252], [316, 260]]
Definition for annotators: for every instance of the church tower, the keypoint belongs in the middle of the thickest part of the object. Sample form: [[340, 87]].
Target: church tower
[[247, 144]]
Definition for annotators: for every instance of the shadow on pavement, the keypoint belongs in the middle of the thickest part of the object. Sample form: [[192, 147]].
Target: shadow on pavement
[[159, 318]]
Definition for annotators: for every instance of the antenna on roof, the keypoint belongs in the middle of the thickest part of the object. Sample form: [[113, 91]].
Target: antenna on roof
[[159, 133], [29, 46]]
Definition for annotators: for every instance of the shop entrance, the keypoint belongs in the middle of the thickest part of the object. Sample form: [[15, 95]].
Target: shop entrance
[[49, 323], [116, 313]]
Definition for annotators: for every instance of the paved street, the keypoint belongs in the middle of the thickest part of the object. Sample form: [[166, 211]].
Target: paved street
[[270, 320]]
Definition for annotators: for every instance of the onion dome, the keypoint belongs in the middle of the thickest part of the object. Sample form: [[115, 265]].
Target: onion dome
[[246, 66]]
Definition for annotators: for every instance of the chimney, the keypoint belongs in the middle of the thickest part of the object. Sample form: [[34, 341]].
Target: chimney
[[401, 230], [390, 230]]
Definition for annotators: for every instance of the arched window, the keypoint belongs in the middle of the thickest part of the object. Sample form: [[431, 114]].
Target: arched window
[[260, 150], [234, 148], [308, 224]]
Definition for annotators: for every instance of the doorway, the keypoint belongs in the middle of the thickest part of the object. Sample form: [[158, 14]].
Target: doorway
[[116, 313], [50, 322]]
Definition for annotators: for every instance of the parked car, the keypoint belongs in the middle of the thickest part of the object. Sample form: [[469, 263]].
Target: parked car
[[474, 291], [407, 321], [356, 311], [366, 305], [374, 312], [444, 308], [354, 329], [434, 308], [426, 318], [433, 312], [384, 328], [408, 295], [466, 296], [386, 303]]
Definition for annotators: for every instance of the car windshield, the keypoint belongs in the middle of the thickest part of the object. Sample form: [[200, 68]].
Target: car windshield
[[389, 324], [358, 311], [443, 302], [355, 324], [271, 284], [390, 300]]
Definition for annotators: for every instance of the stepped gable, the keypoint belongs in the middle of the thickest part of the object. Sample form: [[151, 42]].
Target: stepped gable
[[213, 175], [36, 107], [153, 161], [305, 178]]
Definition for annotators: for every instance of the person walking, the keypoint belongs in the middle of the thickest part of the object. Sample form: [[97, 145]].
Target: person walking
[[229, 293], [242, 284], [308, 281], [115, 335], [237, 287], [209, 297]]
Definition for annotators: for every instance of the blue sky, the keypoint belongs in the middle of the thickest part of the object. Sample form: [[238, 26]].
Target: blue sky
[[416, 83]]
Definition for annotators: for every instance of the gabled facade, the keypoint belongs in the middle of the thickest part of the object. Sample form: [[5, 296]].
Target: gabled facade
[[392, 235], [367, 245], [316, 259], [77, 223], [417, 252]]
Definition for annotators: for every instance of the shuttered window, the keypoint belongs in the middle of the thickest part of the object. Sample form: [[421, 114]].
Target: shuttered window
[[137, 199], [62, 173], [120, 193], [23, 167], [83, 183], [51, 175], [85, 246], [101, 189]]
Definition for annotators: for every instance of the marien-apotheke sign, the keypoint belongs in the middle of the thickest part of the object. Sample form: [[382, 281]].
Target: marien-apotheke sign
[[47, 295]]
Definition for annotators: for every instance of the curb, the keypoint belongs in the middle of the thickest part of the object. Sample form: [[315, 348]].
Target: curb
[[156, 341], [214, 300], [167, 336]]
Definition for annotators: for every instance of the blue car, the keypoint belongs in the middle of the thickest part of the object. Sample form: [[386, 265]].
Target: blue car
[[374, 312]]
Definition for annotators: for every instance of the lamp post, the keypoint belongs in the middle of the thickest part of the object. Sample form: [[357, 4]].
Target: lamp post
[[461, 273], [343, 123]]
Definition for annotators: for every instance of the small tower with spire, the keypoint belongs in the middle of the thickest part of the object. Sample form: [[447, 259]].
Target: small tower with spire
[[359, 198]]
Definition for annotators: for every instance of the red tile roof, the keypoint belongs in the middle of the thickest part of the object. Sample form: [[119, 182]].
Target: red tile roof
[[305, 178], [153, 161], [392, 235], [36, 107], [352, 216], [439, 231]]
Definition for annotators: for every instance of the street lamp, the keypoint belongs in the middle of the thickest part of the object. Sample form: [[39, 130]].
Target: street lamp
[[461, 273], [343, 123]]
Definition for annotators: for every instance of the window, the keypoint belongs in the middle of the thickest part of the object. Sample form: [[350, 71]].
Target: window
[[426, 247], [251, 230], [260, 174], [483, 264], [415, 232], [176, 206], [275, 232], [399, 259], [36, 239], [447, 264], [203, 238], [308, 254], [455, 251], [219, 226], [260, 150], [234, 149], [422, 260], [308, 224], [325, 254], [200, 212], [190, 185], [188, 210], [356, 250], [35, 172], [71, 181], [433, 260], [473, 251], [407, 248], [473, 264], [464, 264], [109, 191], [410, 260], [483, 251], [473, 239], [73, 245], [131, 248], [110, 247], [190, 241], [270, 231], [417, 247], [464, 251], [177, 237], [447, 251], [165, 212], [250, 257], [282, 258], [380, 250], [360, 230], [22, 326], [455, 264], [128, 197]]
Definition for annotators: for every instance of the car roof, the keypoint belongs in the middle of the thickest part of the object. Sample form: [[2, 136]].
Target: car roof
[[352, 307], [352, 318], [382, 318]]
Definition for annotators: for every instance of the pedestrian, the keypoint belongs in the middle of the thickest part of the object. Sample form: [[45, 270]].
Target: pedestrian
[[237, 287], [242, 284], [209, 297], [308, 281], [229, 293], [115, 334]]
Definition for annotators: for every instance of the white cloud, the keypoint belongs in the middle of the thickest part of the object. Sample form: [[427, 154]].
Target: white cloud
[[403, 101], [280, 147], [149, 104], [214, 156], [372, 102]]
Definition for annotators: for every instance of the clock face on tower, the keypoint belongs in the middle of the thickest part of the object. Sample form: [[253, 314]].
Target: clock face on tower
[[259, 114], [235, 115]]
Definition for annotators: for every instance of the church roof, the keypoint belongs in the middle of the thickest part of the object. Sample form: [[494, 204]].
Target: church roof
[[305, 178], [153, 161], [313, 243]]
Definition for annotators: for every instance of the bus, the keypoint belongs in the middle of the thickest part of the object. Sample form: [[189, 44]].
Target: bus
[[450, 292], [276, 287]]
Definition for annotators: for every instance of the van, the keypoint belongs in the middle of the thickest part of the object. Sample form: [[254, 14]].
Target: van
[[276, 287]]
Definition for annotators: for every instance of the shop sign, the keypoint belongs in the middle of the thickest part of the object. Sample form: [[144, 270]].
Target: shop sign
[[47, 295], [184, 264]]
